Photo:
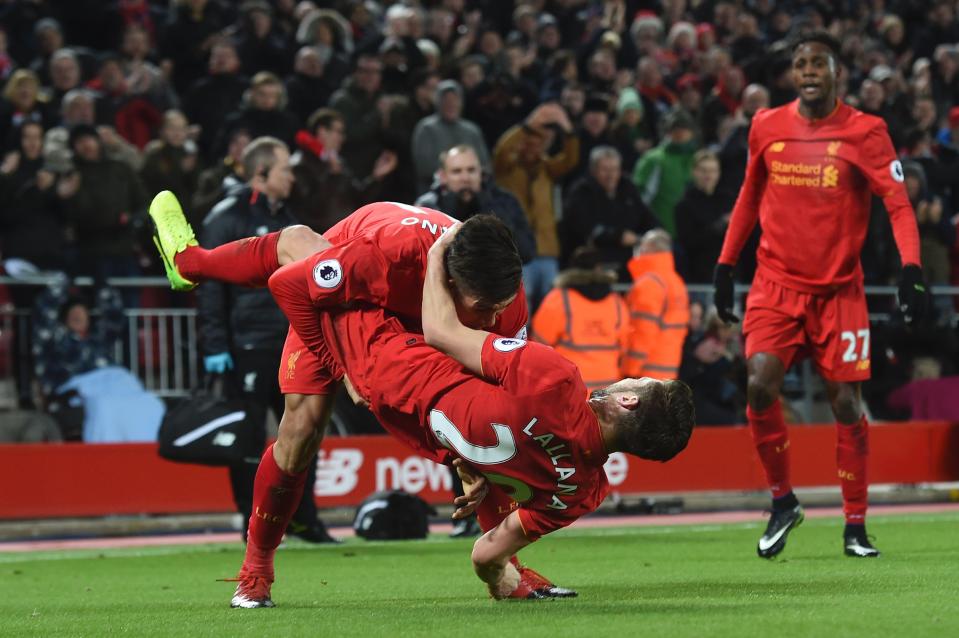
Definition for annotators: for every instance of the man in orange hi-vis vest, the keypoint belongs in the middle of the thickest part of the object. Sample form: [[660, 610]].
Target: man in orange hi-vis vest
[[658, 310], [584, 320]]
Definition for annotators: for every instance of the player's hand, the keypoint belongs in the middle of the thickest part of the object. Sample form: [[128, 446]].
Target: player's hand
[[724, 293], [475, 486], [913, 295], [441, 245], [218, 363], [354, 395]]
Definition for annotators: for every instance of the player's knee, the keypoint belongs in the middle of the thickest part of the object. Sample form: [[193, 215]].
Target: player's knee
[[298, 242], [760, 394], [846, 408], [299, 425], [481, 559]]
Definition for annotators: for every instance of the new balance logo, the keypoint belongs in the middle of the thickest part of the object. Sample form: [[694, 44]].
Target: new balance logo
[[336, 471]]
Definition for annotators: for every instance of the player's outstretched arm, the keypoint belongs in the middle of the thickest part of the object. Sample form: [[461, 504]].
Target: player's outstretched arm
[[441, 326], [491, 554]]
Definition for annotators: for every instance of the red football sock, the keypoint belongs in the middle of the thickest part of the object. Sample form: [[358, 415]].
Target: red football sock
[[245, 262], [494, 508], [852, 449], [276, 495], [772, 444]]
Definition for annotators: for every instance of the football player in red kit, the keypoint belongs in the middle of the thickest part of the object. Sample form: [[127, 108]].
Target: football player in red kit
[[517, 414], [814, 165], [380, 258]]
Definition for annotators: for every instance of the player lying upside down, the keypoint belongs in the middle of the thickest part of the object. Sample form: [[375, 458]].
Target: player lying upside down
[[518, 413], [380, 258]]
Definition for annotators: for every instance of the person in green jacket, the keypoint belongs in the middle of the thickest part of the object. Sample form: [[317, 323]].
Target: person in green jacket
[[662, 173]]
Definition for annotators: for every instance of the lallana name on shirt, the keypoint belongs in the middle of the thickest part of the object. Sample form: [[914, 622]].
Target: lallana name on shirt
[[556, 449]]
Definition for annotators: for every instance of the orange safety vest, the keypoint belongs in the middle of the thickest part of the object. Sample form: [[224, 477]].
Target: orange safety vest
[[588, 333], [658, 316]]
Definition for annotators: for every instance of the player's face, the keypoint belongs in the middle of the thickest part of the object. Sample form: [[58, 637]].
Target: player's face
[[814, 74], [619, 397], [477, 314]]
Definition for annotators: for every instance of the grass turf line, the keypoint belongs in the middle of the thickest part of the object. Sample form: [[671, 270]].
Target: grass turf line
[[680, 581]]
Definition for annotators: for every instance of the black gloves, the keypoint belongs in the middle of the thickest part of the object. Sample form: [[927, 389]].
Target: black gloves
[[913, 297], [723, 293]]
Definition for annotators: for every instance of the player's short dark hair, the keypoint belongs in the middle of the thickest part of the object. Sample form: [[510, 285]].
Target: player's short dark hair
[[820, 36], [660, 427], [483, 259]]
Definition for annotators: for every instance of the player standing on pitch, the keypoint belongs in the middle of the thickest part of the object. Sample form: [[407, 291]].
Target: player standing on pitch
[[813, 165]]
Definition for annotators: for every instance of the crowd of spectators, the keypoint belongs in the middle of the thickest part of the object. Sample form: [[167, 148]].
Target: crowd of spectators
[[597, 120]]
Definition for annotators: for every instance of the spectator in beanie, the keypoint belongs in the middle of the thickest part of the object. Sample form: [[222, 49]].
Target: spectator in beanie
[[663, 172], [443, 130]]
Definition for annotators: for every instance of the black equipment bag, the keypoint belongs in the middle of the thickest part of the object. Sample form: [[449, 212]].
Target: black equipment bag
[[216, 426], [392, 515], [68, 411]]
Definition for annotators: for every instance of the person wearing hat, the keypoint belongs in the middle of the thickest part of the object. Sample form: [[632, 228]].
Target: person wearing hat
[[103, 217], [663, 172], [630, 132], [260, 44], [593, 131], [442, 131]]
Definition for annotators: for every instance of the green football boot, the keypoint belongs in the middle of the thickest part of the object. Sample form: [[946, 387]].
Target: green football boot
[[171, 234]]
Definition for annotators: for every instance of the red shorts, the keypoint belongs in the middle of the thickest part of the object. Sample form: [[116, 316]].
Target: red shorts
[[832, 328], [395, 370], [301, 371]]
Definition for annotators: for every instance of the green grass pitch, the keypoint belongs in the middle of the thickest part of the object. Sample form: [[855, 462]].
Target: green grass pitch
[[640, 581]]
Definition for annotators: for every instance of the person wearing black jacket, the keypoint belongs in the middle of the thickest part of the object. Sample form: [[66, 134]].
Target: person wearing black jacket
[[604, 209], [242, 329], [702, 216], [461, 191]]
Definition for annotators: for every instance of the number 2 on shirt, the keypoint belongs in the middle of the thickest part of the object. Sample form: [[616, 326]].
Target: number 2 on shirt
[[503, 451]]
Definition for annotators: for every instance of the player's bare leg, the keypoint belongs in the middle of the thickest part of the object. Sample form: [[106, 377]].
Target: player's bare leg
[[299, 242], [852, 450], [764, 412], [277, 491], [301, 431]]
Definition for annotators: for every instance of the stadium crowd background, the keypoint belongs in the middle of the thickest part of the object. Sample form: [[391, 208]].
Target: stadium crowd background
[[106, 103]]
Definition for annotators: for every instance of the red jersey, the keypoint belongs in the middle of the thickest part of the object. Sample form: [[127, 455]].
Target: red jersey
[[526, 426], [809, 183], [379, 257]]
